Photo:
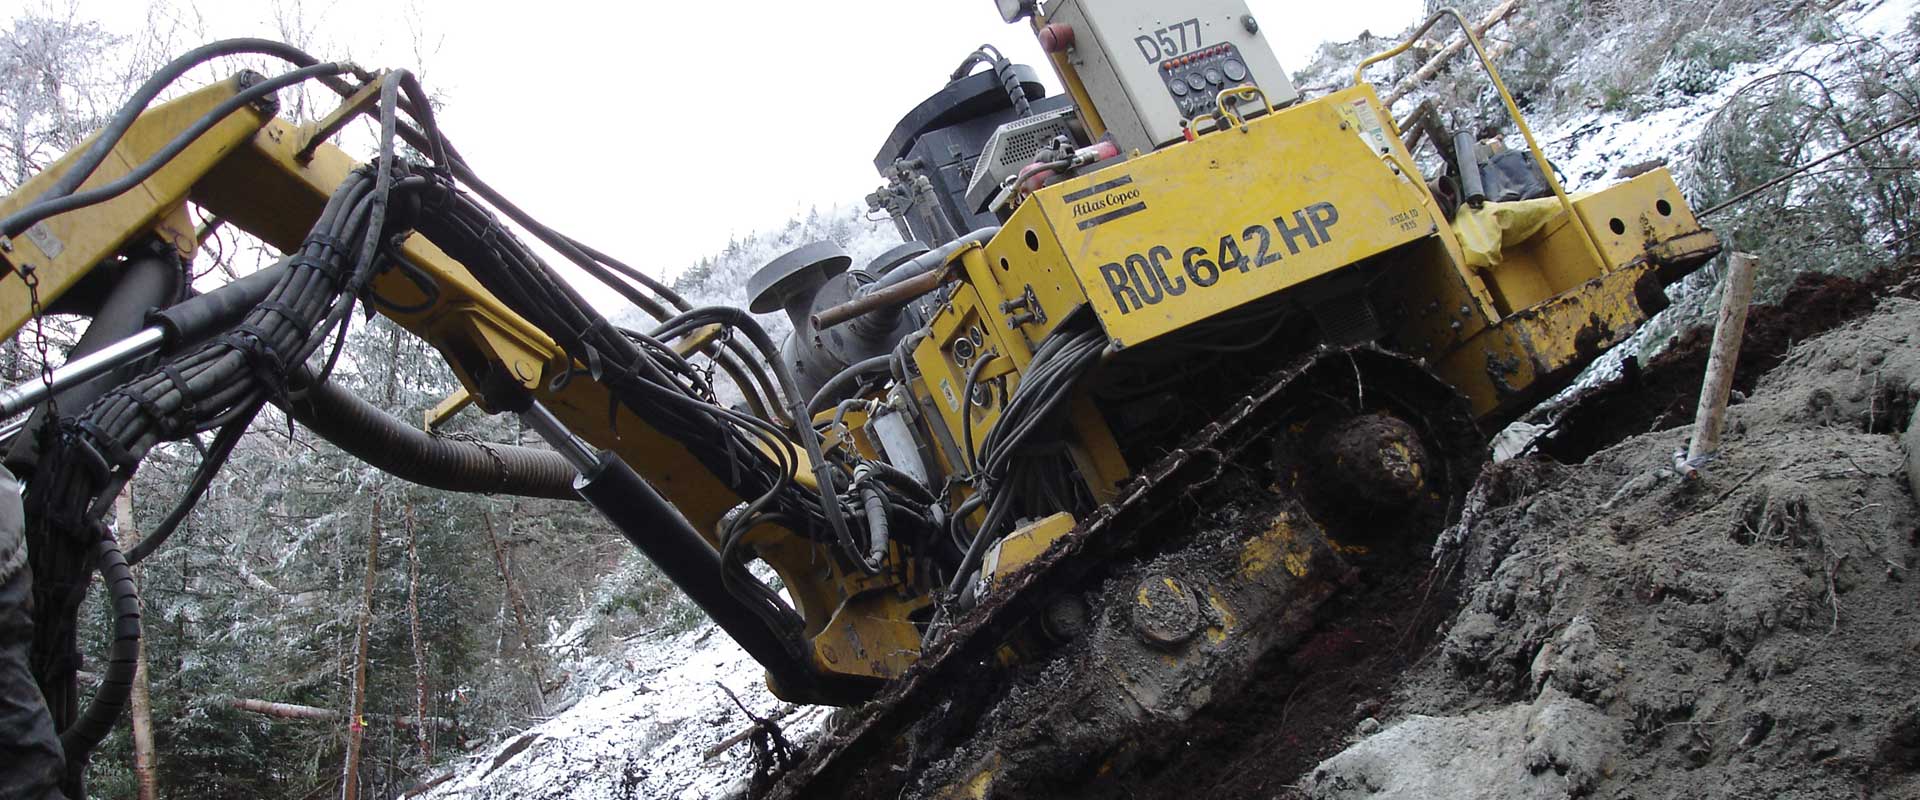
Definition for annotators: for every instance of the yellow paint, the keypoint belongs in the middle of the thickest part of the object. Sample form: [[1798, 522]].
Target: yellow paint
[[446, 409], [250, 171], [1228, 621], [83, 239], [1303, 175], [1027, 543], [1279, 545], [978, 785], [1493, 331], [1513, 109]]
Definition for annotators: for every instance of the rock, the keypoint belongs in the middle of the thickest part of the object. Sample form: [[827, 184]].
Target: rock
[[1554, 747], [1576, 663]]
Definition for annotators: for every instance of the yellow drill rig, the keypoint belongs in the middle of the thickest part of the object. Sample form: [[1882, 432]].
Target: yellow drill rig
[[1171, 360]]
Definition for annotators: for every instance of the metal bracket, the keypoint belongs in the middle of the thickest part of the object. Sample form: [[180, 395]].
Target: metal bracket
[[1030, 310], [325, 127]]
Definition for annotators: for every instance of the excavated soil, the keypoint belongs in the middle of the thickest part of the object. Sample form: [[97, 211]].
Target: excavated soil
[[1663, 392], [1625, 632]]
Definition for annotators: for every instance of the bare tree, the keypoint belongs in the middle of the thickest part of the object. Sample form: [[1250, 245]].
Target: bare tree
[[140, 702]]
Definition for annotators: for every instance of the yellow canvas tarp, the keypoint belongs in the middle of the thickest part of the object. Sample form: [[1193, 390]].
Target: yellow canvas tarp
[[1485, 231]]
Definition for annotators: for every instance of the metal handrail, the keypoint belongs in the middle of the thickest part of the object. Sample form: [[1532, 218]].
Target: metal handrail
[[1513, 112]]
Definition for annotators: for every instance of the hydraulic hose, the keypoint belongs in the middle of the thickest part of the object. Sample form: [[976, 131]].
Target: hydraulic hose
[[825, 397], [210, 464], [116, 686], [51, 206], [123, 118], [892, 476], [390, 444], [875, 503]]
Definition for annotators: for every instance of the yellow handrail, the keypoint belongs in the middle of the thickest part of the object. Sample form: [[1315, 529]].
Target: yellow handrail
[[1513, 111]]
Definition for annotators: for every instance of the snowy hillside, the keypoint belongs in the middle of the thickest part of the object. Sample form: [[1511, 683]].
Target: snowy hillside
[[655, 709]]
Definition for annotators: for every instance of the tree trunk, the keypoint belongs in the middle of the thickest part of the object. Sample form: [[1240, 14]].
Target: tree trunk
[[519, 604], [356, 723], [419, 644], [140, 701]]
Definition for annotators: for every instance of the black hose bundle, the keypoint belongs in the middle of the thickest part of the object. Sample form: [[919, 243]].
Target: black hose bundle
[[645, 376], [222, 383], [1073, 348]]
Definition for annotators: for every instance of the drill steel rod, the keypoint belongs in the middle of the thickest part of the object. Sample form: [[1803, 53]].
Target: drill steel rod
[[80, 370]]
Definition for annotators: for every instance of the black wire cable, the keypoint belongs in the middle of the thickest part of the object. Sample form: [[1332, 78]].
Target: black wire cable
[[123, 118], [210, 465], [1051, 375], [78, 741], [42, 209]]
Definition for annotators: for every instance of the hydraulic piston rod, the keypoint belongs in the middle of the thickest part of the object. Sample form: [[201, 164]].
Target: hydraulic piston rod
[[27, 394]]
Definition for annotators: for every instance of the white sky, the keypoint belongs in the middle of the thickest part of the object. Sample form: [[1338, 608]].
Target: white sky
[[655, 130]]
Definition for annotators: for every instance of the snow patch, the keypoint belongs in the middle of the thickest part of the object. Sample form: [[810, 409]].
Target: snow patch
[[643, 733]]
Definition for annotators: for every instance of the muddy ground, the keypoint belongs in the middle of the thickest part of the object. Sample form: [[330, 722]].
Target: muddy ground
[[1599, 626], [1623, 632]]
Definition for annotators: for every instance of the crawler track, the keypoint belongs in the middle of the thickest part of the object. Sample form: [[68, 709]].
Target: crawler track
[[918, 736]]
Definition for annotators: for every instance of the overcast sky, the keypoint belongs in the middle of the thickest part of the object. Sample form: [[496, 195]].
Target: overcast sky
[[655, 130]]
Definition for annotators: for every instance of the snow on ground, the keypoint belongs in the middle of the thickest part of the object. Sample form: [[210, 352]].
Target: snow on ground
[[1591, 148], [643, 733]]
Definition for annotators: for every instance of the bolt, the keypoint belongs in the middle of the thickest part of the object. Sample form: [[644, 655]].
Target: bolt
[[1248, 23], [1165, 613]]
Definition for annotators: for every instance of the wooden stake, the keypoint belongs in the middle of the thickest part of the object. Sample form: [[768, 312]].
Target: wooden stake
[[1728, 330]]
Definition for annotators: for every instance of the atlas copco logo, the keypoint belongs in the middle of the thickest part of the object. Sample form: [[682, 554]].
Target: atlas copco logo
[[1105, 202], [1112, 200]]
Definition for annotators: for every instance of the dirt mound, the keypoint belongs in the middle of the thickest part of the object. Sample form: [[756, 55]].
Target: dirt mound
[[1626, 633], [1662, 392]]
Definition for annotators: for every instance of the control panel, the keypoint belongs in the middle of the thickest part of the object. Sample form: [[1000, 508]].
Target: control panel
[[1195, 79], [1148, 66]]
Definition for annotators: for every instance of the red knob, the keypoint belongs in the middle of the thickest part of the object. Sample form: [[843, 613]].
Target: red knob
[[1056, 38]]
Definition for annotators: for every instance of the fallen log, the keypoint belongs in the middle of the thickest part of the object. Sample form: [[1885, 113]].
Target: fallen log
[[317, 714], [1432, 67]]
